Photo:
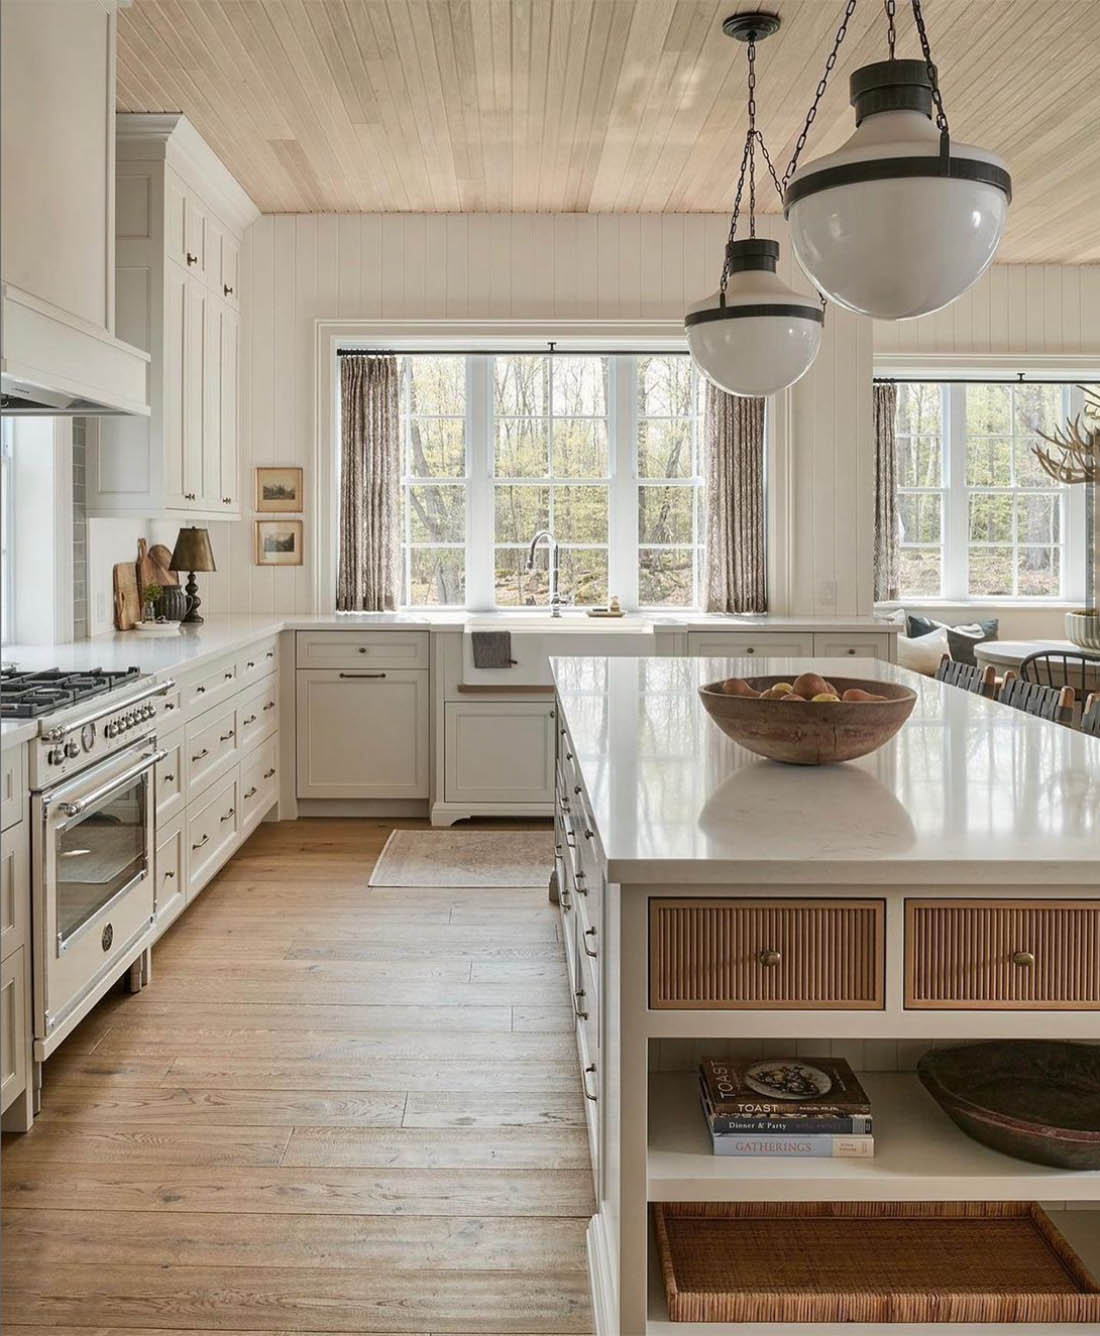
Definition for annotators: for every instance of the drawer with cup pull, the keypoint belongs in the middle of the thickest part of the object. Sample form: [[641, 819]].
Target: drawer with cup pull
[[170, 872], [743, 954], [212, 827], [170, 775], [259, 781], [258, 713], [211, 747], [1002, 955], [361, 649], [258, 661]]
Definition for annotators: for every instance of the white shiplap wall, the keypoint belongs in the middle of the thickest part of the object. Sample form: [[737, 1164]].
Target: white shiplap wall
[[298, 268]]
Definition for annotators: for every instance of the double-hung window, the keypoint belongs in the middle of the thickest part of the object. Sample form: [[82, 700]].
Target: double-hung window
[[603, 451], [979, 519]]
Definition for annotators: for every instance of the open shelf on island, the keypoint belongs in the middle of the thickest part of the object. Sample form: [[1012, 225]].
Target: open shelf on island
[[1080, 1227], [919, 1155]]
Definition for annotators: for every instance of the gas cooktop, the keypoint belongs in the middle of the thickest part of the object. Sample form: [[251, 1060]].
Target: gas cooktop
[[29, 695]]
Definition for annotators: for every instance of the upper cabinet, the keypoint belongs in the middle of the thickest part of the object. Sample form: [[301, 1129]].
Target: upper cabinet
[[180, 221], [57, 184]]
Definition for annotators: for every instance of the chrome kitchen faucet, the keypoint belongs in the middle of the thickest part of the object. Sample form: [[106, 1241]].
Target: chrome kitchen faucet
[[552, 555]]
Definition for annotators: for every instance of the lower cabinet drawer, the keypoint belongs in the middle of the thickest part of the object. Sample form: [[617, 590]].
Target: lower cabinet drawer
[[169, 775], [211, 749], [258, 713], [259, 781], [727, 954], [1014, 955], [762, 645], [170, 870], [13, 1026], [211, 830], [15, 887], [858, 645], [13, 785]]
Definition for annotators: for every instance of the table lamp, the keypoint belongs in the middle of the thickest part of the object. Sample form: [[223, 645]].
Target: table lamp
[[192, 553]]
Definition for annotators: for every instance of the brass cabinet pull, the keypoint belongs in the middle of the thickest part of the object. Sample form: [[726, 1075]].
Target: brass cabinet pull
[[251, 792], [576, 788], [269, 773], [270, 654], [589, 932], [228, 814], [224, 737], [769, 957], [270, 705], [192, 259], [584, 1081], [169, 778], [205, 840], [168, 874], [229, 675], [250, 720], [589, 834], [189, 496], [581, 1015], [250, 664], [200, 691], [205, 752], [1025, 959], [227, 291], [363, 675], [227, 500]]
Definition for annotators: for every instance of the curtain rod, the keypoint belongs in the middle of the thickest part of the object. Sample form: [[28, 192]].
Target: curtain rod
[[510, 352], [1019, 379]]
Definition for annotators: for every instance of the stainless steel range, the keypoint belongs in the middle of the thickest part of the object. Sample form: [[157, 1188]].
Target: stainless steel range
[[92, 812]]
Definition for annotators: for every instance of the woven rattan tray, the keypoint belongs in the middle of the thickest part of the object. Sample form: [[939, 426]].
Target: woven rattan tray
[[869, 1262]]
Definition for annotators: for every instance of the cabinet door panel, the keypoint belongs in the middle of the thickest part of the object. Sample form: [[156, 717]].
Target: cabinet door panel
[[194, 236], [363, 734], [498, 752], [175, 218], [230, 270], [194, 380], [13, 1026], [170, 870], [228, 491], [211, 404], [172, 385], [15, 894]]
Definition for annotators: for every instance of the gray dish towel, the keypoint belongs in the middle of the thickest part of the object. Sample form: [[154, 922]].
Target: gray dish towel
[[493, 649]]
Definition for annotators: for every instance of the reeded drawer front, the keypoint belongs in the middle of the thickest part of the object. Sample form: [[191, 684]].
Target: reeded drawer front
[[1014, 955], [738, 954]]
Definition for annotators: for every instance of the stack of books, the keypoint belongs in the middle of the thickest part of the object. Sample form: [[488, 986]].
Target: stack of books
[[796, 1107]]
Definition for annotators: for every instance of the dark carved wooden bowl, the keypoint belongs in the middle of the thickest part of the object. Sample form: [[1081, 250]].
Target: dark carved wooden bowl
[[810, 732], [1034, 1099]]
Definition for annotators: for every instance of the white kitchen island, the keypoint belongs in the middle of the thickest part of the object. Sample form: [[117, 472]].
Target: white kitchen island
[[668, 833]]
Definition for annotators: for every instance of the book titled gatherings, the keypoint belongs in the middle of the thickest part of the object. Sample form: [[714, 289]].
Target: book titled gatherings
[[786, 1106]]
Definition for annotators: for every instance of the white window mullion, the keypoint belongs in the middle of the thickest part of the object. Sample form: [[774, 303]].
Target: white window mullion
[[1074, 583], [480, 523], [956, 517], [622, 429]]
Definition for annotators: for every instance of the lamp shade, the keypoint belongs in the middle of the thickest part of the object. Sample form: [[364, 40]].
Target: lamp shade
[[889, 225], [192, 551], [762, 335]]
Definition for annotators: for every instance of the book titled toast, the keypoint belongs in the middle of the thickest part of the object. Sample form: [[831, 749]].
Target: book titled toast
[[856, 1124], [788, 1089]]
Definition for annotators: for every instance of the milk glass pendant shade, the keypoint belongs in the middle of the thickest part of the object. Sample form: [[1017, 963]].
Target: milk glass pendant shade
[[902, 219], [755, 335], [760, 336]]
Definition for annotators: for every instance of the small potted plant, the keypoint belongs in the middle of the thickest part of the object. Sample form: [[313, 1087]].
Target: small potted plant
[[150, 607]]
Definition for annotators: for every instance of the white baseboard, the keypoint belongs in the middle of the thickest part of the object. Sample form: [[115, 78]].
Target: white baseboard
[[601, 1280], [446, 814]]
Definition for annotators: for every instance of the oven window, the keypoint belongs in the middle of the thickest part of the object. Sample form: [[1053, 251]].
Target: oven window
[[99, 854]]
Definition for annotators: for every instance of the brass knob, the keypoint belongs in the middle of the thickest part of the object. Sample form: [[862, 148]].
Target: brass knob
[[1025, 959], [769, 958], [227, 290], [192, 259]]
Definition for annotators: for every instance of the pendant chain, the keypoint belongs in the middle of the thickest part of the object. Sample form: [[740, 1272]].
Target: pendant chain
[[891, 29], [926, 50], [811, 115], [748, 168]]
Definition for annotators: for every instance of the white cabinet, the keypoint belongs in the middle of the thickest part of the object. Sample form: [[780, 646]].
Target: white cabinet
[[498, 752], [761, 644], [169, 869], [179, 227], [852, 645], [13, 1026], [362, 734]]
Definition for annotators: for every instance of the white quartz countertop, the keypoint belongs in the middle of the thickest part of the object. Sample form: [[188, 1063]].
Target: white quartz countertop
[[969, 792]]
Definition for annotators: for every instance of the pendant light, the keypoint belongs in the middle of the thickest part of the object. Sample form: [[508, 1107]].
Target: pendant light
[[901, 220], [755, 335]]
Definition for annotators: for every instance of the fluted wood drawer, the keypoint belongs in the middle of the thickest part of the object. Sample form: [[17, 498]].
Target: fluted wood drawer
[[726, 954], [1014, 955]]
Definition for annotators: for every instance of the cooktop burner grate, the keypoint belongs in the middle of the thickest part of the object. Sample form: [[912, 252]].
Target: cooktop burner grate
[[28, 695]]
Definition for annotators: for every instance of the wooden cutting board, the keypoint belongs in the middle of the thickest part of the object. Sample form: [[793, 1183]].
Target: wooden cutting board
[[161, 558], [146, 569], [127, 599]]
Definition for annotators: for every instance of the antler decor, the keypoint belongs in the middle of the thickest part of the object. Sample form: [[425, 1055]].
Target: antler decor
[[1079, 444]]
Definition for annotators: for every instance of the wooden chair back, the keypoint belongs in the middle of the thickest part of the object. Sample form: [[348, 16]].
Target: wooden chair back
[[1090, 716], [1042, 701], [1063, 668], [968, 676]]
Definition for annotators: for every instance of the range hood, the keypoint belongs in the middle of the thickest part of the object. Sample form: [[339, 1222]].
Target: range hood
[[19, 399]]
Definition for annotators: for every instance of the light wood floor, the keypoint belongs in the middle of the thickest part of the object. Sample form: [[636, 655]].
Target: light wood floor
[[334, 1109]]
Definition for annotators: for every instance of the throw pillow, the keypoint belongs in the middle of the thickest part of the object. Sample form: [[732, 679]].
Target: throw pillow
[[961, 638], [922, 654]]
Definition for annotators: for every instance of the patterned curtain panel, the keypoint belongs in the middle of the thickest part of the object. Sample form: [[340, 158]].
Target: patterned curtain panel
[[367, 575], [736, 542], [887, 559]]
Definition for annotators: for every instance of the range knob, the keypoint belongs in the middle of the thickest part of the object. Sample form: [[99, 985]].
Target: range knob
[[111, 729], [72, 749], [149, 712], [55, 756]]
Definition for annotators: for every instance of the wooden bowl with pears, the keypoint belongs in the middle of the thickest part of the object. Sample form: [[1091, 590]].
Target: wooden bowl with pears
[[810, 719]]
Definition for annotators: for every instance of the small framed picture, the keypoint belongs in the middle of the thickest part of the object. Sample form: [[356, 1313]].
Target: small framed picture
[[279, 491], [278, 542]]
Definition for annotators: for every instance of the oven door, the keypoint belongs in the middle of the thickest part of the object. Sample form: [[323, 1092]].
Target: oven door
[[94, 886]]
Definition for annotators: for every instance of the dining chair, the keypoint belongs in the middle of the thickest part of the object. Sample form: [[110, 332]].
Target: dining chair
[[968, 676], [1090, 716], [1062, 668], [1053, 703]]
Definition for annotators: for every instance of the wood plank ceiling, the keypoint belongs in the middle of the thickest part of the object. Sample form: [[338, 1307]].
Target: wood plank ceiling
[[517, 106]]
